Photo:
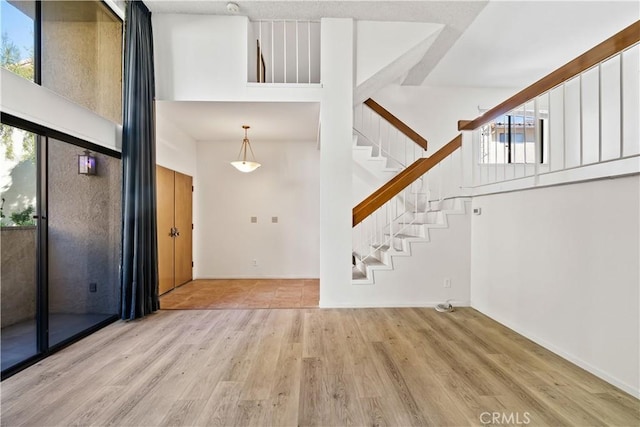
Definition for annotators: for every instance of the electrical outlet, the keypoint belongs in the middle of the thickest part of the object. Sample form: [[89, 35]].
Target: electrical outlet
[[254, 263], [93, 287], [254, 220], [447, 283], [274, 219]]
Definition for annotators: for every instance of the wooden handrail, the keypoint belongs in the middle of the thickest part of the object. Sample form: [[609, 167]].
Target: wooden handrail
[[617, 43], [396, 123], [401, 181]]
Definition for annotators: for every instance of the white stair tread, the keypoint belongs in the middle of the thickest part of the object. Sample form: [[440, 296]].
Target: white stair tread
[[439, 224], [372, 261], [381, 247], [357, 274], [406, 236]]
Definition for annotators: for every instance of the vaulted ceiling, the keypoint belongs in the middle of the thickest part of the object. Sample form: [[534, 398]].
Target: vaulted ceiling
[[506, 44], [484, 43]]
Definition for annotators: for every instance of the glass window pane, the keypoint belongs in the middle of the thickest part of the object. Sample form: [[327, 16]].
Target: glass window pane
[[83, 241], [82, 55], [17, 36], [18, 235]]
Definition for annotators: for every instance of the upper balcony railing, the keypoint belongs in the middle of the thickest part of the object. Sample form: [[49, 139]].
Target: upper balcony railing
[[284, 52], [584, 113]]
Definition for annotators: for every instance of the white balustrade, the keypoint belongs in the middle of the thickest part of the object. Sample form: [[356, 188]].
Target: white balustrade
[[284, 52], [402, 216], [589, 119], [386, 140]]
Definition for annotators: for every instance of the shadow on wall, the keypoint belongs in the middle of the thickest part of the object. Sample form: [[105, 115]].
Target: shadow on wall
[[84, 233]]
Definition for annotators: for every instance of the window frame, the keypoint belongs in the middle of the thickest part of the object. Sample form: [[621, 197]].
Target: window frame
[[37, 43], [43, 347]]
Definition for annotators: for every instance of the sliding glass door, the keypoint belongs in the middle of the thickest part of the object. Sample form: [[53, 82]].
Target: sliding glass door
[[83, 220], [61, 222], [19, 237]]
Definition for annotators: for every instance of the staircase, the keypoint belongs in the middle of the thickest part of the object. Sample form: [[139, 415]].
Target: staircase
[[372, 168], [403, 193], [414, 227], [374, 160]]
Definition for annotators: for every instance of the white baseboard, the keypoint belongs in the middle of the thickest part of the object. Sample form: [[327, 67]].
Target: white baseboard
[[390, 304]]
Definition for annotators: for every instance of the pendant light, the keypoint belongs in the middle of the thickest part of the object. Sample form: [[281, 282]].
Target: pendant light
[[244, 165]]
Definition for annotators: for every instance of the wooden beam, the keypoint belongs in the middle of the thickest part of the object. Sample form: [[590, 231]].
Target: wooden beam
[[401, 181], [397, 123], [617, 43]]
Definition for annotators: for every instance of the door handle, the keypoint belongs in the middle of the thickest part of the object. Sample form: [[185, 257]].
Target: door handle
[[174, 232], [177, 232]]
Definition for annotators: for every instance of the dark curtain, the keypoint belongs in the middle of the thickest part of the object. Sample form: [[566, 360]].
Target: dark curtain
[[139, 274]]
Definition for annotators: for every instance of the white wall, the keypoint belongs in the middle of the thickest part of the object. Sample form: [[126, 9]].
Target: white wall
[[285, 186], [434, 112], [40, 105], [336, 137], [560, 265], [174, 148], [385, 51], [205, 58], [199, 56]]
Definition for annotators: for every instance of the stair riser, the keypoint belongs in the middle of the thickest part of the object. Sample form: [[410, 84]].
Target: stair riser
[[432, 219]]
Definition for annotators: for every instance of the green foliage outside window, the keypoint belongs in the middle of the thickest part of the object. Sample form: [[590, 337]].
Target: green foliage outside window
[[10, 59], [24, 217]]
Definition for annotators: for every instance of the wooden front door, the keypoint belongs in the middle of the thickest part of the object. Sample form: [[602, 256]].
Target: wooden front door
[[174, 216], [183, 220], [166, 203]]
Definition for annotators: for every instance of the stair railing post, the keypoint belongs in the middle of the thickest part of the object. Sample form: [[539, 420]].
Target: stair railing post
[[390, 218], [376, 226], [536, 141], [404, 213]]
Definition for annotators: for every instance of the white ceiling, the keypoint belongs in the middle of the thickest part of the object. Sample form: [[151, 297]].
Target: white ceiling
[[222, 121], [395, 10], [454, 15], [514, 43], [500, 44]]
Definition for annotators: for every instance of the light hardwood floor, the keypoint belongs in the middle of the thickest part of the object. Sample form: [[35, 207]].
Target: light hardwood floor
[[399, 367]]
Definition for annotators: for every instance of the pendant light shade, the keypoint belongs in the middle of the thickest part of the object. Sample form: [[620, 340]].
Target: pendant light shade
[[242, 164]]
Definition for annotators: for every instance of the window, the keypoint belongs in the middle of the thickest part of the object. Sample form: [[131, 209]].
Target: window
[[82, 55], [17, 25], [515, 137], [77, 55], [17, 176], [60, 241]]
